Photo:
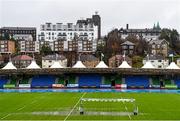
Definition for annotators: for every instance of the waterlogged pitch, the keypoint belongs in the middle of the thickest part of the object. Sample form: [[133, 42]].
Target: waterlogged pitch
[[65, 106]]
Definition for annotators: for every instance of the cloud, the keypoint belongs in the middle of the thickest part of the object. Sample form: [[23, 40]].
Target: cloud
[[114, 13]]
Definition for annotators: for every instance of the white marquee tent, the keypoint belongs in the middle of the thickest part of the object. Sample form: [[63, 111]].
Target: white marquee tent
[[148, 65], [172, 66], [79, 64], [9, 65], [33, 65], [56, 64], [124, 65], [101, 65]]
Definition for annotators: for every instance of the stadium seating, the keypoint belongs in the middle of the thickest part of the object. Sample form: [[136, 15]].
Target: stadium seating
[[107, 80], [89, 80], [137, 81], [167, 82], [118, 80], [155, 81], [177, 82], [43, 81], [72, 79], [3, 81], [10, 84], [24, 81], [60, 80], [13, 81]]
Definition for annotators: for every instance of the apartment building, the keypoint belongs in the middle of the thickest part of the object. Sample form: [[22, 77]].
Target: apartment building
[[18, 31], [29, 46], [158, 61], [146, 33], [48, 61], [84, 33], [7, 46], [160, 47]]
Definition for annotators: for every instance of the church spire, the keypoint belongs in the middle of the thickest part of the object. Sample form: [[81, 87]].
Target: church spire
[[154, 27], [158, 26]]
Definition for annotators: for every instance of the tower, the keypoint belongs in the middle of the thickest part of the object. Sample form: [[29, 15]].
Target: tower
[[97, 22]]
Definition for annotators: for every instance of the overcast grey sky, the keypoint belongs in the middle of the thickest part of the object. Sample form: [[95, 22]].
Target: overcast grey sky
[[114, 13]]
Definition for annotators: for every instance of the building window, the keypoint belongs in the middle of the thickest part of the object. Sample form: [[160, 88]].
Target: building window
[[159, 66]]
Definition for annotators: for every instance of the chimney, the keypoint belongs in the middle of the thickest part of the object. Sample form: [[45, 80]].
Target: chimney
[[127, 26]]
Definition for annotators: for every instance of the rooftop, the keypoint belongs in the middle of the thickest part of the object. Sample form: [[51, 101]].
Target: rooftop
[[22, 58], [88, 58], [19, 28], [54, 57], [158, 41], [154, 57], [127, 43]]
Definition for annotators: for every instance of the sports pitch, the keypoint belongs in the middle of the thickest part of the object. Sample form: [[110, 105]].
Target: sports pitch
[[64, 106]]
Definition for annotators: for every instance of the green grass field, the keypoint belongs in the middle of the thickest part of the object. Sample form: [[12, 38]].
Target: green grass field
[[63, 106]]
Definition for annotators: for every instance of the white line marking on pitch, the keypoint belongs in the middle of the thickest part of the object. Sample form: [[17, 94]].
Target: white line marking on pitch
[[127, 110], [74, 107], [125, 107], [26, 105], [21, 108], [33, 101], [6, 116], [18, 109]]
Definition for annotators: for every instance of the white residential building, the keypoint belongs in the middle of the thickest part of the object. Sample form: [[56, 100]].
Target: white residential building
[[157, 61], [146, 33], [49, 60], [85, 32]]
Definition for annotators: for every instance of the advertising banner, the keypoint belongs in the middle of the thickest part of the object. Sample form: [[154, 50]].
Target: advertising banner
[[73, 85], [105, 86], [24, 85], [57, 85]]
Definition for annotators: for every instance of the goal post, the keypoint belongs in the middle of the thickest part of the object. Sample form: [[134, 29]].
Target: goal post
[[110, 100]]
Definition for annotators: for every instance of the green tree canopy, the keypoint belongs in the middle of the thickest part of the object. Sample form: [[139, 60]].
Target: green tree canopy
[[172, 36], [45, 50], [137, 61]]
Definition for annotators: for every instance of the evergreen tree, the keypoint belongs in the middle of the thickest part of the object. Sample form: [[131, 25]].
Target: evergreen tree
[[172, 36], [45, 50]]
